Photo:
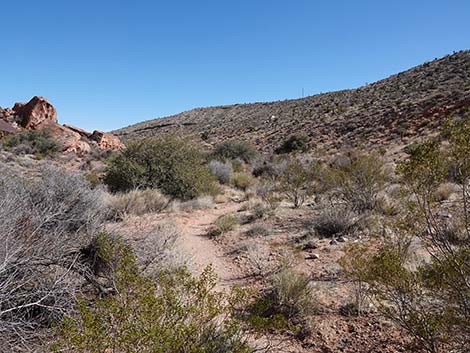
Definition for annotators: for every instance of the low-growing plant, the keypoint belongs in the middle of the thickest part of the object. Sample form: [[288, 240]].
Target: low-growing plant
[[285, 305], [333, 220], [227, 223], [242, 180], [136, 202], [223, 171], [258, 230]]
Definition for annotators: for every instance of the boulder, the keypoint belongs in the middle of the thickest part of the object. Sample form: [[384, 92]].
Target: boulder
[[69, 140], [106, 141], [36, 114]]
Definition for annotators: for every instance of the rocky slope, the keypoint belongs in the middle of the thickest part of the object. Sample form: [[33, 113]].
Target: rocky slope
[[392, 111]]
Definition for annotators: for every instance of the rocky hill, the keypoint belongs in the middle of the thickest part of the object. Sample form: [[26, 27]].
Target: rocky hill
[[391, 111]]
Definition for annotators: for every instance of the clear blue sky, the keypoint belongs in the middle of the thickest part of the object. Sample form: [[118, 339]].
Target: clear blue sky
[[107, 64]]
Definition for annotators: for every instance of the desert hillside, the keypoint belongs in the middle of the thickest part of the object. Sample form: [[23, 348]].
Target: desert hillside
[[394, 110]]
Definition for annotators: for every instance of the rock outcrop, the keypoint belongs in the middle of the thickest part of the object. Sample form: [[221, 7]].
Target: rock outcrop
[[106, 141], [36, 114], [39, 113]]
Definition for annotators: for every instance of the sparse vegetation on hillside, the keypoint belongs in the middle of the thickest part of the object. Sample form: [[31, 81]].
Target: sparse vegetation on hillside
[[428, 297], [38, 142]]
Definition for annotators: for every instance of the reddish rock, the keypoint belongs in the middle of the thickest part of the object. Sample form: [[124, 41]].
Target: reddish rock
[[36, 114], [78, 130], [69, 140], [107, 141]]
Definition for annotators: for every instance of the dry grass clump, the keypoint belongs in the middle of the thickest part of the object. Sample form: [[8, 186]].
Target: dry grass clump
[[333, 220], [224, 224], [200, 203], [258, 230], [136, 202], [445, 190]]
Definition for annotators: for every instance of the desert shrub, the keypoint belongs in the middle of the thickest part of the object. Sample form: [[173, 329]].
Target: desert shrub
[[296, 182], [333, 220], [268, 192], [358, 180], [174, 166], [242, 180], [285, 305], [136, 202], [445, 190], [269, 169], [258, 230], [233, 150], [39, 142], [178, 313], [200, 203], [427, 298], [227, 223], [223, 171], [294, 143], [46, 224]]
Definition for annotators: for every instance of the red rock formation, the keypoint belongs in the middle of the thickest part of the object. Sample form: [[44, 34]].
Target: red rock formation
[[36, 114], [81, 131], [107, 141]]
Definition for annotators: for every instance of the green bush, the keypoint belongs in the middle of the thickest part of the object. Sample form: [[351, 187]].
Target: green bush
[[39, 142], [242, 180], [172, 165], [180, 313], [294, 143], [296, 182], [357, 180], [232, 150]]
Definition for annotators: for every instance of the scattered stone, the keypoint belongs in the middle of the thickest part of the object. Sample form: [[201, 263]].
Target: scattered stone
[[342, 239], [333, 242]]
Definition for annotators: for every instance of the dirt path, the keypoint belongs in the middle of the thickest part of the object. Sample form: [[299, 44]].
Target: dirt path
[[201, 250]]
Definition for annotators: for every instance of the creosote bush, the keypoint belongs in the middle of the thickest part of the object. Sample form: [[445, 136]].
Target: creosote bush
[[296, 181], [38, 142], [177, 313], [357, 180], [234, 150], [428, 298], [174, 166], [294, 143]]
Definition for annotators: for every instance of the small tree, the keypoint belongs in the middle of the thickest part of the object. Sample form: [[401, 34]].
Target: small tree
[[174, 166], [358, 181], [296, 182]]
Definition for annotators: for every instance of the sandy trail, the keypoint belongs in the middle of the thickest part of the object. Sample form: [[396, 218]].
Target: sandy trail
[[201, 250]]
